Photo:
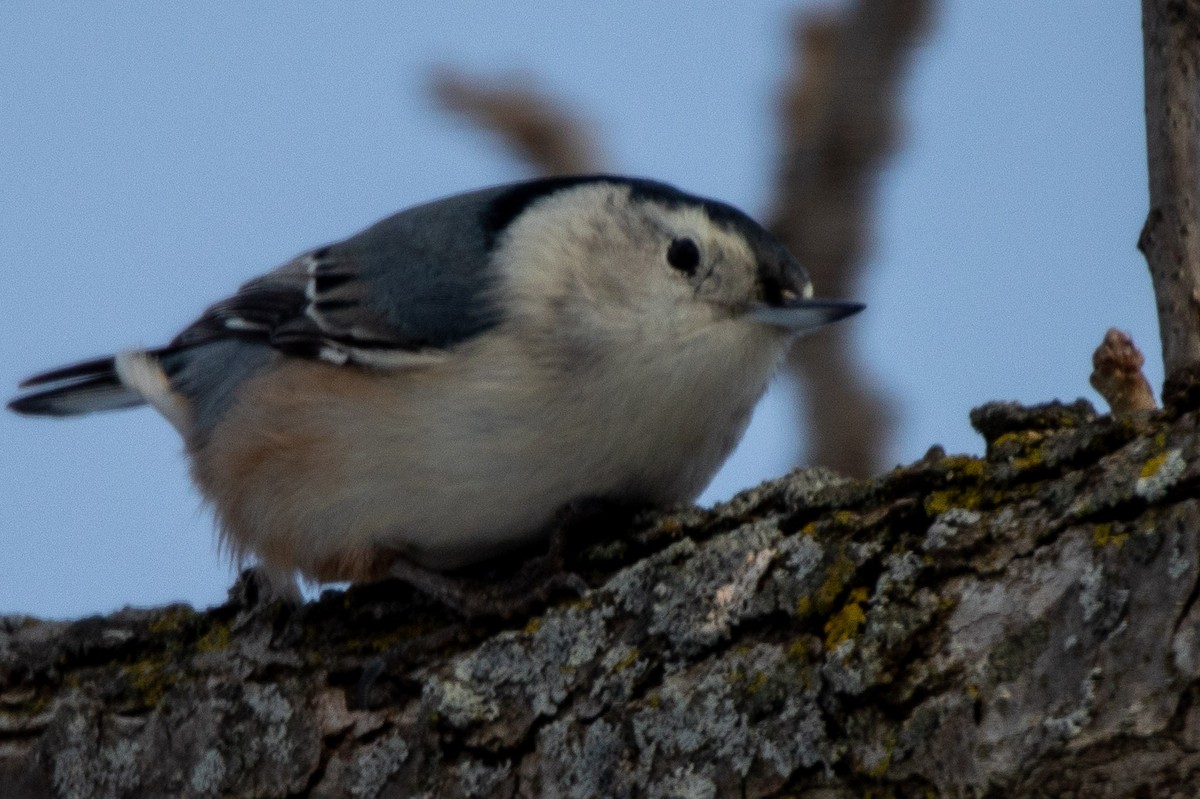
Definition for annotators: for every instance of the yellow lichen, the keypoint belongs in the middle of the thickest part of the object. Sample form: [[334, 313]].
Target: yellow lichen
[[671, 526], [149, 679], [1029, 460], [216, 639], [963, 466], [1103, 536], [880, 768], [756, 683], [846, 623], [626, 661], [844, 518], [803, 607], [1152, 466], [1027, 443], [172, 620], [836, 576], [751, 683], [938, 502], [534, 625], [1022, 438]]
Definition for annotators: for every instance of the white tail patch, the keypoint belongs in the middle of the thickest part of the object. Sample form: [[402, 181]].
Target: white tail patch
[[141, 373]]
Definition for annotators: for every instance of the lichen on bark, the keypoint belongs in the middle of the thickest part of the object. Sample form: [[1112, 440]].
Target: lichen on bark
[[1022, 624]]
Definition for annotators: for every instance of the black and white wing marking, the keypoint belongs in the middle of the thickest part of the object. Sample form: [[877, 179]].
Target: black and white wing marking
[[396, 294], [312, 307]]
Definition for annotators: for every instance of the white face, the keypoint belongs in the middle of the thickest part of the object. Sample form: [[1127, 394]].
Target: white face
[[592, 260]]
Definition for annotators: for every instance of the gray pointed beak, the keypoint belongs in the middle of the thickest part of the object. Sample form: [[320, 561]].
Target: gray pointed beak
[[800, 315], [785, 295]]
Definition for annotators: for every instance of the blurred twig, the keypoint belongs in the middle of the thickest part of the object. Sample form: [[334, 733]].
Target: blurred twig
[[1117, 374], [839, 122], [541, 130]]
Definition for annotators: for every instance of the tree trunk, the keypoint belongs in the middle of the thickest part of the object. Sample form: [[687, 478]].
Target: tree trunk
[[1020, 625]]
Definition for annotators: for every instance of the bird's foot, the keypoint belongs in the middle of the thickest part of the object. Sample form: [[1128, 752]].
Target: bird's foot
[[536, 582]]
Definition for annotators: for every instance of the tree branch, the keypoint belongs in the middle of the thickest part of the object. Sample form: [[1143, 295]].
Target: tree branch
[[1020, 625], [1170, 238], [539, 130]]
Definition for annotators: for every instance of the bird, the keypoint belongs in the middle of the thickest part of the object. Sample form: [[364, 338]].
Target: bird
[[432, 392]]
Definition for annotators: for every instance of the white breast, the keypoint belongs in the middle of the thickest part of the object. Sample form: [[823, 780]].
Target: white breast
[[477, 462]]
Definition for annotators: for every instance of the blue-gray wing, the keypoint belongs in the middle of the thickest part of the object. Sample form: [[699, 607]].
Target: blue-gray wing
[[399, 292], [415, 283]]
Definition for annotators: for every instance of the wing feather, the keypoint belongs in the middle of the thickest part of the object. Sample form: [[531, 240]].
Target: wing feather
[[316, 306]]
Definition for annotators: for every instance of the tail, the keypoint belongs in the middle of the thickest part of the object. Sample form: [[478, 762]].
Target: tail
[[79, 388], [125, 380]]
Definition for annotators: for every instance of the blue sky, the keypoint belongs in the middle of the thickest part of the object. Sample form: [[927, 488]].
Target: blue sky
[[156, 155]]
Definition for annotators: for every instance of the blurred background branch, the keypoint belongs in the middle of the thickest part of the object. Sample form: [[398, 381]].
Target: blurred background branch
[[839, 111], [543, 132], [839, 119]]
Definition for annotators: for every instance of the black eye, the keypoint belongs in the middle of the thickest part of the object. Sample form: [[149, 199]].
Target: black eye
[[684, 255]]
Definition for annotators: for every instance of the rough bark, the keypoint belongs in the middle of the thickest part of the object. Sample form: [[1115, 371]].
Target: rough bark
[[1019, 625], [1170, 238]]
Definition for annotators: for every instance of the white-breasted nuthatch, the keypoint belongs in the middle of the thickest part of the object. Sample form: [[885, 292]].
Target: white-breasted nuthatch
[[436, 387]]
